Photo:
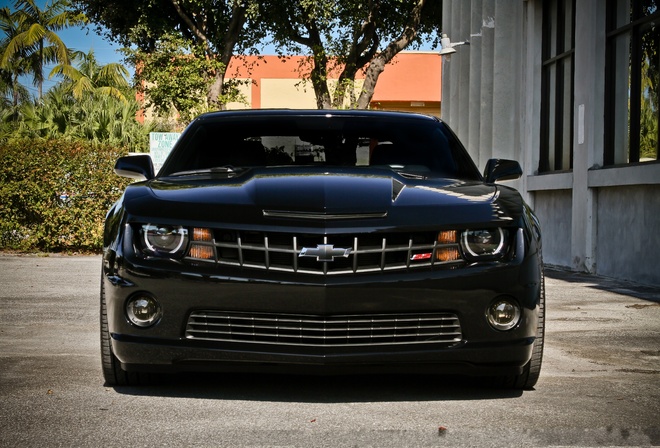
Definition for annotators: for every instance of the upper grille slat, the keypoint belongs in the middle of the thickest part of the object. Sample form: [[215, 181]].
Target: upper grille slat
[[366, 252], [439, 328]]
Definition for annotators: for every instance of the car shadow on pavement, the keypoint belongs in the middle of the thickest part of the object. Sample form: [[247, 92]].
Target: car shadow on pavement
[[321, 389]]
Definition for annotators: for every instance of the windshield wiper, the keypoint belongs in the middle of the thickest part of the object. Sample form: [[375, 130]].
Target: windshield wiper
[[216, 169]]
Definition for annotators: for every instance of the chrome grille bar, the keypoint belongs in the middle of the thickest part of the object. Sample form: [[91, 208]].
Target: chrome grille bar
[[439, 328], [280, 252], [295, 253]]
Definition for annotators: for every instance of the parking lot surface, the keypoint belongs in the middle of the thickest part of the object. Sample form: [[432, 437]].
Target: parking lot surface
[[600, 383]]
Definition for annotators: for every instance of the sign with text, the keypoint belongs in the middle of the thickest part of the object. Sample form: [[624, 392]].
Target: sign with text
[[160, 145]]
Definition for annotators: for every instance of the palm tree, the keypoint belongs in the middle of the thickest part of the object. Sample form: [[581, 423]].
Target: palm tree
[[36, 40], [15, 65], [92, 78]]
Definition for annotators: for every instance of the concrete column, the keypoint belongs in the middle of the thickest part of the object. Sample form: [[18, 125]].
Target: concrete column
[[506, 80], [454, 69], [474, 120], [488, 23], [588, 125], [483, 82], [465, 70], [445, 101], [531, 107]]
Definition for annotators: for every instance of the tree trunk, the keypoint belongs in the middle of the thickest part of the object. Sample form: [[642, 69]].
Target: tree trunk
[[319, 78], [231, 36], [363, 48], [377, 64], [39, 73], [374, 70], [215, 91], [15, 88], [345, 85]]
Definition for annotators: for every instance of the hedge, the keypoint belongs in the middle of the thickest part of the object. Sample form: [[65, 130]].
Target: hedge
[[54, 194]]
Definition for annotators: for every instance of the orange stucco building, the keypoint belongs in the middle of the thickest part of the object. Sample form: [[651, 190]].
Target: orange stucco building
[[410, 82]]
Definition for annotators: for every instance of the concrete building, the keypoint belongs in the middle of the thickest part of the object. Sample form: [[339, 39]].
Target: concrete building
[[410, 82], [570, 89]]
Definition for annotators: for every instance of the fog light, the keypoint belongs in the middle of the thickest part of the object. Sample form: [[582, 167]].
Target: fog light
[[143, 310], [503, 314]]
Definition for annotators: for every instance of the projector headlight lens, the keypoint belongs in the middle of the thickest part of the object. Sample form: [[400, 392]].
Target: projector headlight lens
[[164, 240], [484, 243]]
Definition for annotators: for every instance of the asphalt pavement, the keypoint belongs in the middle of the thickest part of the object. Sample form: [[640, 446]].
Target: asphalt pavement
[[599, 386]]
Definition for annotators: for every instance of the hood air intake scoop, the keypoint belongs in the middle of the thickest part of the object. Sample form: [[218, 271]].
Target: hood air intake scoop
[[322, 216]]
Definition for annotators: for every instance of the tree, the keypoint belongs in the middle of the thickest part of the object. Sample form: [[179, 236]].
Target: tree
[[95, 118], [15, 66], [424, 13], [175, 75], [92, 78], [350, 35], [36, 41], [219, 28]]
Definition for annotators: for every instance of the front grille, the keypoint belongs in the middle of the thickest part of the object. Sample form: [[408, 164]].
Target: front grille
[[339, 254], [325, 331]]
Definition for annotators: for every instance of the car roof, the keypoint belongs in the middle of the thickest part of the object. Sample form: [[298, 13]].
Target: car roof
[[316, 113]]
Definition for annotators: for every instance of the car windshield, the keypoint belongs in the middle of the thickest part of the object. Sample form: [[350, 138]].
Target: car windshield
[[231, 144]]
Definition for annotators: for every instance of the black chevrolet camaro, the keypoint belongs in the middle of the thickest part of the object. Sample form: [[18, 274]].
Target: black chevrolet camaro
[[321, 242]]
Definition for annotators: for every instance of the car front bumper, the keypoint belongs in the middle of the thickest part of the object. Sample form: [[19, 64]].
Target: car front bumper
[[466, 292]]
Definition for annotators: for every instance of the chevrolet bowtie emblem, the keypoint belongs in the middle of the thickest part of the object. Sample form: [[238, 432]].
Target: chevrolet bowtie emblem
[[324, 252]]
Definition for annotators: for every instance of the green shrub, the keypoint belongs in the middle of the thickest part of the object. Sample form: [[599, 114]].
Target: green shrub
[[55, 194]]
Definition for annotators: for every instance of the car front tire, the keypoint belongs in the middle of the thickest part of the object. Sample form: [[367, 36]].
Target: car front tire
[[113, 374], [532, 370]]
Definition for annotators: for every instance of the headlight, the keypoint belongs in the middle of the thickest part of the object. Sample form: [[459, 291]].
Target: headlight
[[171, 241], [484, 243]]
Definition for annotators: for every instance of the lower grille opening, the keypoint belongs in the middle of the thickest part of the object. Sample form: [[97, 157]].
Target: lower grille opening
[[325, 331]]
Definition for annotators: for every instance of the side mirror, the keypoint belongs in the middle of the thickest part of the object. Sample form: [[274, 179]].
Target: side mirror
[[502, 169], [138, 167]]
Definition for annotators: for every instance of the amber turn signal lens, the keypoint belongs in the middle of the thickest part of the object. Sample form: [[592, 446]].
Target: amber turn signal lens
[[447, 254], [201, 252], [447, 237], [202, 234]]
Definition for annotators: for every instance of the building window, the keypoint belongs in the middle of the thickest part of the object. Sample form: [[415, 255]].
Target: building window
[[632, 81], [556, 152]]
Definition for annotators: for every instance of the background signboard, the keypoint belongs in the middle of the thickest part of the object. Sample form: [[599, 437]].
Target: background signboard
[[160, 145]]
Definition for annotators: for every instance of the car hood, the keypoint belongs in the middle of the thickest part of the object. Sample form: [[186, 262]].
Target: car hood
[[329, 197]]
